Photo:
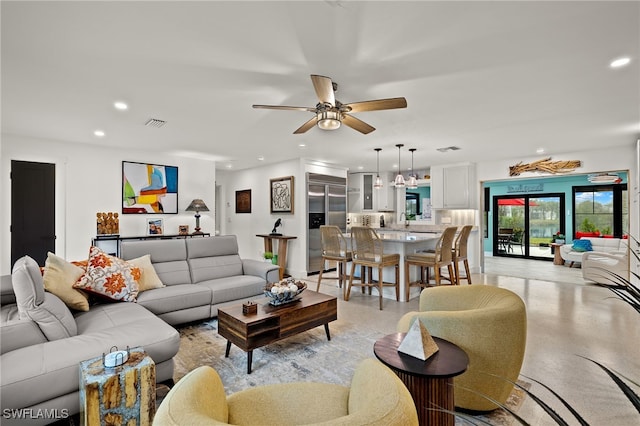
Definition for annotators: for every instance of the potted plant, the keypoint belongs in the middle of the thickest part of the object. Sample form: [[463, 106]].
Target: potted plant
[[268, 256]]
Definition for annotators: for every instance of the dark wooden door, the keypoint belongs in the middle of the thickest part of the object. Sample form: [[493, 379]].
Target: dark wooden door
[[32, 210]]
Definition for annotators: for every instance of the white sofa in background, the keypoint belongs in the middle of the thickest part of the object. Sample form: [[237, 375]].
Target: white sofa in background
[[605, 268], [615, 246], [608, 259]]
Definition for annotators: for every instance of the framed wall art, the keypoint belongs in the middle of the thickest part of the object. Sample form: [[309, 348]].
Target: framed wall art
[[149, 188], [155, 226], [282, 195], [243, 201]]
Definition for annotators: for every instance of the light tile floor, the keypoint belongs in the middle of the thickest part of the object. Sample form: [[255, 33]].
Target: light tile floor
[[567, 319]]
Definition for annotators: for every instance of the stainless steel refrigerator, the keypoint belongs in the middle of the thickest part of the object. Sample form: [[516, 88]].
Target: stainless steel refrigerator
[[326, 205]]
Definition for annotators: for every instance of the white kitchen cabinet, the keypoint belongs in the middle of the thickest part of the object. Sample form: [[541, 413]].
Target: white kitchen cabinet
[[364, 198], [453, 186], [360, 192], [385, 197]]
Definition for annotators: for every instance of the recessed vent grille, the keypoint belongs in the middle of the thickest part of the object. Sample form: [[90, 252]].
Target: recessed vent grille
[[448, 148], [154, 122]]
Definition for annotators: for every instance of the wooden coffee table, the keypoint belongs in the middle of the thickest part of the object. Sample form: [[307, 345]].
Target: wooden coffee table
[[430, 382], [273, 323]]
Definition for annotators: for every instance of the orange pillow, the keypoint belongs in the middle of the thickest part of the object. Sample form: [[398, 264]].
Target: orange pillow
[[110, 277]]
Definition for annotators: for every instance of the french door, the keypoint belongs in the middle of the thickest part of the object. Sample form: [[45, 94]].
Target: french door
[[525, 225]]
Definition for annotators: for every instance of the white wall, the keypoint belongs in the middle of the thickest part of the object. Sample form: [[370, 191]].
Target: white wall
[[88, 181], [261, 221]]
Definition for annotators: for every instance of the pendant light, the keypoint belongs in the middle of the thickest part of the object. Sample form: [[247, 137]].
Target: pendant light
[[413, 180], [399, 182], [378, 183]]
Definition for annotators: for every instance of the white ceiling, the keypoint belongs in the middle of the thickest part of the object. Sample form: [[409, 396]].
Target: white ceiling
[[497, 79]]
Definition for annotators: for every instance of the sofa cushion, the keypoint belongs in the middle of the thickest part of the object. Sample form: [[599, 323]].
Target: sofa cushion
[[169, 258], [59, 277], [582, 245], [213, 257], [149, 279], [110, 277], [174, 298], [234, 288], [50, 370], [47, 310]]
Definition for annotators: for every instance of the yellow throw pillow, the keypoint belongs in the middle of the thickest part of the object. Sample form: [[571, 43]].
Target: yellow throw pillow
[[59, 277], [110, 277], [149, 279]]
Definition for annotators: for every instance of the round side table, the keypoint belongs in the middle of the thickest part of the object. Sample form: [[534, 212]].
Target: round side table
[[430, 382]]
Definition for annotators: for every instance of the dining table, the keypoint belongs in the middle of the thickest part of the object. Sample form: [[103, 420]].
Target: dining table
[[402, 243]]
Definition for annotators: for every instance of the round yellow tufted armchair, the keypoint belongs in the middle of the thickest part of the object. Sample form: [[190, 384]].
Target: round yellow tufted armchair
[[376, 397], [490, 324]]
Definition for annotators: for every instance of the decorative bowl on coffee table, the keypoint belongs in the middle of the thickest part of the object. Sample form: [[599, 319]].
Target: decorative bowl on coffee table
[[285, 291]]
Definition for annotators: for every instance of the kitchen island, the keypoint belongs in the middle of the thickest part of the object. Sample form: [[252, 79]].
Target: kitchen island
[[402, 243]]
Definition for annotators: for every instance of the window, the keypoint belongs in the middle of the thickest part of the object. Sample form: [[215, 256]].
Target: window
[[601, 210], [412, 205]]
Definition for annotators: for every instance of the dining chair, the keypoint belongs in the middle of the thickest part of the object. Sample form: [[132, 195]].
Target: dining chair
[[334, 249], [505, 235], [368, 253], [440, 258], [459, 254]]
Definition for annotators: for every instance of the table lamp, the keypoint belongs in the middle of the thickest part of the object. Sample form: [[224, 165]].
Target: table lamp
[[197, 206]]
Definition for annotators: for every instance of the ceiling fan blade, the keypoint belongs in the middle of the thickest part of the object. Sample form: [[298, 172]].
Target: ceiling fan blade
[[306, 126], [324, 89], [285, 107], [357, 124], [376, 105]]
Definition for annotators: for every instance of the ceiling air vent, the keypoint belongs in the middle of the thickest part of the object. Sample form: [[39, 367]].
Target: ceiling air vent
[[448, 148], [154, 122]]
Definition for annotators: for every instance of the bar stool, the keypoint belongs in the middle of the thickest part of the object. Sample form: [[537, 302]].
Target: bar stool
[[334, 249], [441, 257], [459, 254], [368, 253]]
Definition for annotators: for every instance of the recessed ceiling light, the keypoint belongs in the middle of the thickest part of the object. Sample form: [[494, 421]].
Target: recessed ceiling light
[[540, 150], [99, 133], [229, 166], [360, 167], [620, 62], [120, 105], [302, 145], [261, 158]]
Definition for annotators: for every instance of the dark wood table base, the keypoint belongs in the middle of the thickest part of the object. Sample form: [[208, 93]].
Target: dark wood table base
[[430, 382], [250, 352], [431, 396]]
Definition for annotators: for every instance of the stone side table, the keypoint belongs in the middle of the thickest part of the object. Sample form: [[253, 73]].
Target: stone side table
[[122, 395]]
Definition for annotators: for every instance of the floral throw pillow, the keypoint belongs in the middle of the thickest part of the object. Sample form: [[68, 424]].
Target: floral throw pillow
[[110, 277]]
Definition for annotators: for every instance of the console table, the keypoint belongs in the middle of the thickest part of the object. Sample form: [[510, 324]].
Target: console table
[[111, 243], [282, 248]]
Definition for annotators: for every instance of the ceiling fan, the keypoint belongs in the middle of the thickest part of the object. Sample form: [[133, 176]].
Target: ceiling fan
[[329, 113]]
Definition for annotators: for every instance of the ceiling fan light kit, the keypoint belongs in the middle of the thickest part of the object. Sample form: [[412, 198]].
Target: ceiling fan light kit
[[399, 181], [329, 120], [329, 113]]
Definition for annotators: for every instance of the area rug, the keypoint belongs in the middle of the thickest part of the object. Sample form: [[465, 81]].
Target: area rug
[[305, 357]]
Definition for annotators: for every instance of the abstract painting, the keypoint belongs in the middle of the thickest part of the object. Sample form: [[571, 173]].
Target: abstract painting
[[149, 188], [282, 195]]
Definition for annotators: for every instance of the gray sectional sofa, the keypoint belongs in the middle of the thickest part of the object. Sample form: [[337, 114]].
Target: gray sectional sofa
[[42, 341]]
